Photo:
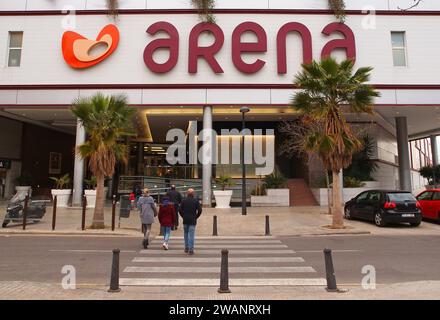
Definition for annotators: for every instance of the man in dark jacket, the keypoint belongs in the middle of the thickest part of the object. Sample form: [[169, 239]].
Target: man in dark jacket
[[175, 198], [190, 210]]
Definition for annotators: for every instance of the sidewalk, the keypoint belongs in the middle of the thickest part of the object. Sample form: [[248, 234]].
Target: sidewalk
[[16, 290], [293, 221]]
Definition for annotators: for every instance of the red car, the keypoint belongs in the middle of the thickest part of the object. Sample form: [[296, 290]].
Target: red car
[[430, 203]]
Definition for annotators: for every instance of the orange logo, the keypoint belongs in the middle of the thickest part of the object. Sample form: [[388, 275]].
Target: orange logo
[[76, 48]]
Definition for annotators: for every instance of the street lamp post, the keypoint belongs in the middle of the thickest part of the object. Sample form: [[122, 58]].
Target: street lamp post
[[243, 111]]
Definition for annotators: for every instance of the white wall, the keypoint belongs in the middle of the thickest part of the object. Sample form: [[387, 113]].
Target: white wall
[[221, 4], [42, 60]]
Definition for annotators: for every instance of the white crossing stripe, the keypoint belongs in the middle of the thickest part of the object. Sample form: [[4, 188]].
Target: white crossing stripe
[[207, 251], [214, 241], [218, 259], [227, 246], [217, 269], [224, 238], [261, 282]]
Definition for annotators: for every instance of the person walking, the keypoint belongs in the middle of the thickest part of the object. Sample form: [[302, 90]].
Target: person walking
[[137, 193], [190, 210], [147, 210], [167, 215], [176, 199]]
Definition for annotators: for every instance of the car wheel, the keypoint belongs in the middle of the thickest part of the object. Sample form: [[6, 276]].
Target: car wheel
[[347, 214], [5, 223], [378, 219], [415, 224]]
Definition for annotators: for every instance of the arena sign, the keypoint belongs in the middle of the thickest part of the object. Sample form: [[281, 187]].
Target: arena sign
[[239, 48]]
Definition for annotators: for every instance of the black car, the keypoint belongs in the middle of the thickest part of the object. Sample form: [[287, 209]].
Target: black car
[[384, 207]]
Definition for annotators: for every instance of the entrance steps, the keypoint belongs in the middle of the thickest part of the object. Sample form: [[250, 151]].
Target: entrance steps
[[300, 193]]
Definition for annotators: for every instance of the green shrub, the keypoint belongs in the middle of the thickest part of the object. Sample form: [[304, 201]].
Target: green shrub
[[275, 180]]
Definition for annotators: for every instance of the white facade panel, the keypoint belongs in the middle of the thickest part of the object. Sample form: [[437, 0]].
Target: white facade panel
[[238, 96], [418, 96], [134, 96], [173, 96], [282, 96], [386, 97], [15, 5], [8, 97], [122, 4], [55, 5], [46, 96], [242, 4], [169, 4]]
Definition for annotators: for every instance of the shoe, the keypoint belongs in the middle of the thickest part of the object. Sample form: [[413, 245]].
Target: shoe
[[165, 246], [191, 252], [186, 250], [145, 243]]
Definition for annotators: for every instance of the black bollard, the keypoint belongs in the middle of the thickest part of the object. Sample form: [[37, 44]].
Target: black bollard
[[114, 280], [113, 212], [214, 226], [54, 213], [330, 271], [83, 218], [224, 273], [25, 211], [267, 226]]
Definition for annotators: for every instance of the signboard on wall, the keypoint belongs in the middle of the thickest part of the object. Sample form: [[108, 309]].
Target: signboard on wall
[[5, 164]]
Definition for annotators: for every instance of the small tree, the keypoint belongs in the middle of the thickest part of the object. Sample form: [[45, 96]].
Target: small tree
[[205, 8], [106, 120], [431, 173], [224, 182], [61, 182], [325, 87]]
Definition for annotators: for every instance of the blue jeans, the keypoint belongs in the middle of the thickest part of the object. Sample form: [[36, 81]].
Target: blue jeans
[[166, 234], [188, 234]]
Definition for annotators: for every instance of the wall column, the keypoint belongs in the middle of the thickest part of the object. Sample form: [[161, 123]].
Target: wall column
[[78, 175], [207, 153], [403, 154], [434, 150]]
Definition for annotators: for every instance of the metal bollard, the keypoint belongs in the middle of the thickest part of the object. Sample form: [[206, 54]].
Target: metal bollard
[[224, 273], [267, 226], [330, 271], [113, 212], [83, 218], [214, 226], [25, 211], [54, 214], [114, 280]]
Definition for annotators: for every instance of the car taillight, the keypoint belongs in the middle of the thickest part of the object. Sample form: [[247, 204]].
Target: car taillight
[[418, 205], [389, 205]]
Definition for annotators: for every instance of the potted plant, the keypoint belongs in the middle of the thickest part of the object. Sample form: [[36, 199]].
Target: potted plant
[[63, 194], [223, 196], [90, 191], [24, 186]]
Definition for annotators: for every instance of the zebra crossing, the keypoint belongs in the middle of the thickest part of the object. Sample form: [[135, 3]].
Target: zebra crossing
[[253, 261]]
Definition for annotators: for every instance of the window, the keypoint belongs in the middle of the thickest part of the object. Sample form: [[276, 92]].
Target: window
[[374, 196], [436, 196], [362, 197], [425, 196], [15, 47], [399, 49]]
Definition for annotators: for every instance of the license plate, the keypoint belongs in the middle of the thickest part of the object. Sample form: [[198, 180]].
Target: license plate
[[408, 215]]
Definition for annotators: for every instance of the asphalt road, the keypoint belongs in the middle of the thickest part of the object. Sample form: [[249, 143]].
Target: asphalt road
[[396, 258]]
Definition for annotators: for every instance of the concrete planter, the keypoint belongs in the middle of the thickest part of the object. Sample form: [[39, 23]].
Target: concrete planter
[[91, 198], [223, 199], [63, 196], [23, 191], [321, 194], [274, 198]]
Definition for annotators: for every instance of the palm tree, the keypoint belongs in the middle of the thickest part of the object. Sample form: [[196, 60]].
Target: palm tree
[[325, 88], [106, 120]]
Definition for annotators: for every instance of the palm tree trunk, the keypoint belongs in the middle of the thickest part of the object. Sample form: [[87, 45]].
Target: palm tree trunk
[[98, 214], [338, 222]]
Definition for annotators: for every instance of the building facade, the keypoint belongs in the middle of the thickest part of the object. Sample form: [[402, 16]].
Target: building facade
[[180, 73]]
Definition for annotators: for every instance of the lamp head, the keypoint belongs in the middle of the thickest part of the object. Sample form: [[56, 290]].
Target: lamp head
[[244, 109]]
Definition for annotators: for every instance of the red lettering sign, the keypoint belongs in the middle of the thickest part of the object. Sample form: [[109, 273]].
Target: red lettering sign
[[208, 53], [172, 44], [238, 47], [306, 37], [348, 44]]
